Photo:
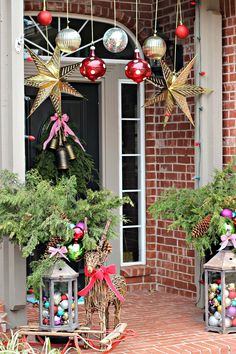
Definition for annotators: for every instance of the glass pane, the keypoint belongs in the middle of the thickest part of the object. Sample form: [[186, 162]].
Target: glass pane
[[130, 172], [130, 137], [131, 245], [129, 100], [131, 213]]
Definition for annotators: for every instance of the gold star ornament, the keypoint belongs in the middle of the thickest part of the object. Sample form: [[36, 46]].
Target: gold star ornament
[[50, 80], [175, 90]]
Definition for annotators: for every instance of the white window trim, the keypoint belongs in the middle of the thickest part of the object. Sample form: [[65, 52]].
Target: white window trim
[[141, 188]]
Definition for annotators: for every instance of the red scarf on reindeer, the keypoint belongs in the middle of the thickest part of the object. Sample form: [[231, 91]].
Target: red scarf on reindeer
[[101, 274]]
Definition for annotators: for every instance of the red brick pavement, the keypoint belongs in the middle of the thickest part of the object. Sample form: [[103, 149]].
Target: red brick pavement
[[165, 323]]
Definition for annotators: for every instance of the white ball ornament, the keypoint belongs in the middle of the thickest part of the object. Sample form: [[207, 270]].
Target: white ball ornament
[[45, 313], [214, 287], [217, 315], [68, 40], [115, 40], [226, 293], [212, 321], [227, 302], [65, 316], [231, 286], [228, 322], [211, 296], [57, 298], [64, 304]]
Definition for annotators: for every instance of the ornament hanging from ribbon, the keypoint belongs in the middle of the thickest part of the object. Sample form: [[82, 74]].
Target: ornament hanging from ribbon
[[57, 140]]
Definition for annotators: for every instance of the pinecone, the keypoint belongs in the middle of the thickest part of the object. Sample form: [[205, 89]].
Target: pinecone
[[107, 247], [52, 243], [201, 228]]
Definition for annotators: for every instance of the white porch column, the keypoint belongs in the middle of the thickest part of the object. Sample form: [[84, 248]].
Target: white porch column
[[208, 113], [12, 154]]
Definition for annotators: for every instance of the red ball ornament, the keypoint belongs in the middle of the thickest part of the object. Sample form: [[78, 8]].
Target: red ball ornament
[[44, 18], [138, 69], [233, 323], [46, 321], [55, 309], [182, 31], [64, 297], [232, 294], [78, 233], [92, 68]]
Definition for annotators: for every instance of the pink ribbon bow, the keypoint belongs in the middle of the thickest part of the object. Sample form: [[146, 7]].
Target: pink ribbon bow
[[225, 240], [57, 125], [102, 273], [58, 251]]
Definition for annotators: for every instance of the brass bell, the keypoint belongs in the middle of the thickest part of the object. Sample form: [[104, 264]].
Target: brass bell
[[53, 143], [70, 152], [62, 158]]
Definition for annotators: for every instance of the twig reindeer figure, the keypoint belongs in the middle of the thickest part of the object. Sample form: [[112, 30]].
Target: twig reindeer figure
[[100, 296]]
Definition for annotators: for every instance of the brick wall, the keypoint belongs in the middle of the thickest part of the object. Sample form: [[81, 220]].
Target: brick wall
[[228, 9]]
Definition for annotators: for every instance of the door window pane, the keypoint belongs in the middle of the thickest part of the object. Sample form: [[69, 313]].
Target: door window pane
[[131, 245], [129, 101], [130, 137], [130, 172], [132, 212]]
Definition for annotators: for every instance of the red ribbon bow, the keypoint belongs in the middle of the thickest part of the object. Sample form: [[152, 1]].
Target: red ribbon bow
[[102, 273], [57, 125]]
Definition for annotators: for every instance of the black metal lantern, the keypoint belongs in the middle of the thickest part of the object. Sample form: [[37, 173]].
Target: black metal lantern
[[58, 299], [220, 292]]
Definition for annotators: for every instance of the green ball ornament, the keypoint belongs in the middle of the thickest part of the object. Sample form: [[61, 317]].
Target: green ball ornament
[[75, 251], [227, 226]]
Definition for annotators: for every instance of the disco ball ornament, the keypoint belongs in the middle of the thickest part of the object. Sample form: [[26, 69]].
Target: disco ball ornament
[[154, 47], [44, 18], [115, 40], [138, 69], [182, 31], [68, 40], [92, 68]]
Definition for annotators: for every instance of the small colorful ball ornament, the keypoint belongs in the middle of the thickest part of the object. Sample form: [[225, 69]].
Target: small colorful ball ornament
[[231, 311], [231, 286], [115, 40], [219, 298], [46, 304], [75, 251], [228, 322], [55, 309], [73, 305], [64, 297], [64, 304], [214, 287], [79, 231], [212, 295], [227, 302], [45, 313], [138, 69], [57, 320], [219, 308], [154, 47], [60, 312], [44, 18], [68, 40], [226, 293], [212, 321], [92, 68], [233, 323], [233, 303], [65, 316], [217, 315], [182, 31], [232, 294], [227, 213], [57, 298], [212, 309], [46, 321]]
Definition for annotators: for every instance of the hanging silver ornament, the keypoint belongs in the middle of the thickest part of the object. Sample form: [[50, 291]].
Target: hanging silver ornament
[[154, 47], [115, 40], [68, 40]]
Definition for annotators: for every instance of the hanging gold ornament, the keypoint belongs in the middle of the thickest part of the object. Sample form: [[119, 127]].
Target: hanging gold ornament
[[154, 47], [176, 90], [68, 40], [50, 80]]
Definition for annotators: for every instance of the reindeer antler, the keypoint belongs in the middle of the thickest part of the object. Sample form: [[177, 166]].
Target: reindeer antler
[[104, 234]]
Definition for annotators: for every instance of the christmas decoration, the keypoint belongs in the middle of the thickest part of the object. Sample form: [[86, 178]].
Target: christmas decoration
[[202, 227], [154, 47], [75, 251], [227, 213], [92, 68], [177, 90], [51, 80], [68, 40], [138, 69], [44, 18], [115, 40], [182, 31]]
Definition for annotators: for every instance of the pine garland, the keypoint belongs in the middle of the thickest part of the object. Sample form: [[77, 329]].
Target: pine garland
[[187, 207]]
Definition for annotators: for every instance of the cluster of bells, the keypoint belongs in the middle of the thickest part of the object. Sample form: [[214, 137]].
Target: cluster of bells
[[61, 309], [63, 151], [215, 304], [115, 40]]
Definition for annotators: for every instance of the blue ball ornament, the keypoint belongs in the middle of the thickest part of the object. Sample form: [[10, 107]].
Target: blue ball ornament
[[219, 287], [46, 304], [233, 302], [234, 214], [219, 298], [60, 313]]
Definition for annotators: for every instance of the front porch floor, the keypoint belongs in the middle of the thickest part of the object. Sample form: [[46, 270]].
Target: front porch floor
[[166, 323]]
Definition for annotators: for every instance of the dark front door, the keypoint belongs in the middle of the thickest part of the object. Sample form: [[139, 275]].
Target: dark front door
[[83, 114]]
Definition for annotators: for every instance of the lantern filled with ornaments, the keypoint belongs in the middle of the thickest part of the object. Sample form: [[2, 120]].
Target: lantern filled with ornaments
[[58, 306], [138, 69], [92, 68], [220, 288]]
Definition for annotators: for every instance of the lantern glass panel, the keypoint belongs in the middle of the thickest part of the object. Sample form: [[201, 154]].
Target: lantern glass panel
[[45, 310], [214, 282]]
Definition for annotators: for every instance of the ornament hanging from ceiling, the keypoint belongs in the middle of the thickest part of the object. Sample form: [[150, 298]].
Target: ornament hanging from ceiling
[[68, 39], [137, 69], [154, 47], [176, 90], [181, 30], [92, 68], [44, 17], [50, 80], [115, 39]]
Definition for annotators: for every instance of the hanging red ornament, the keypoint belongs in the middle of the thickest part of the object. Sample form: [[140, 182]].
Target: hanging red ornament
[[138, 69], [182, 31], [92, 68], [44, 18]]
